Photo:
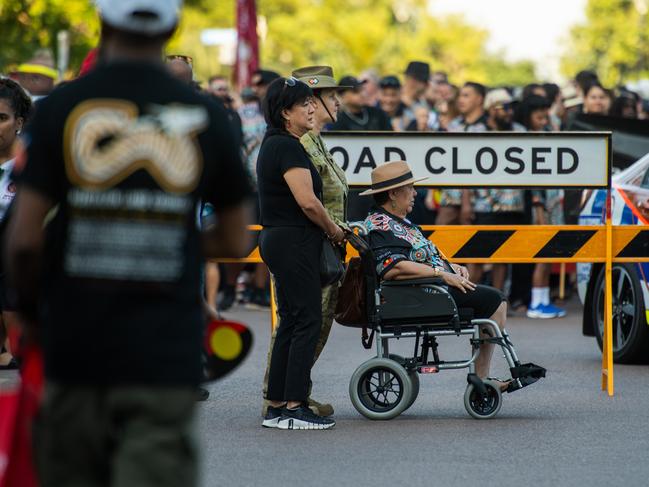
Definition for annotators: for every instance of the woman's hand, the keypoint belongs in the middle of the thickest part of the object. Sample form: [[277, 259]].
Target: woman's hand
[[455, 280], [337, 236], [461, 270]]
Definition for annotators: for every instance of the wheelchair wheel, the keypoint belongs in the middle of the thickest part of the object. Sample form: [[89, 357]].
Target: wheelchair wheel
[[483, 407], [380, 389], [414, 379]]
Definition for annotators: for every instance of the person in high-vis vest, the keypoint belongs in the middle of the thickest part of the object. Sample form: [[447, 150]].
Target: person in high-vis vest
[[334, 191]]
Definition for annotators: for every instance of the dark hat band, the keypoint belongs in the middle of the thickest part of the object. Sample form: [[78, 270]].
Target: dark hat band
[[390, 182]]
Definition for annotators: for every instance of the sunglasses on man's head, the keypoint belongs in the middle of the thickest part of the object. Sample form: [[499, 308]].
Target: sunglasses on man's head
[[503, 106], [290, 81], [181, 57]]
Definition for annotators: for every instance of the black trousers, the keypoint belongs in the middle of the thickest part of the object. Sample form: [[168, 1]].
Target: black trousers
[[484, 300], [293, 256]]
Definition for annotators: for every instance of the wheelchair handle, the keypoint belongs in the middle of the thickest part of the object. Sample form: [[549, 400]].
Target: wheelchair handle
[[359, 226]]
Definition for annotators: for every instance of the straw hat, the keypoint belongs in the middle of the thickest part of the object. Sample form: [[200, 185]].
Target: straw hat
[[391, 175]]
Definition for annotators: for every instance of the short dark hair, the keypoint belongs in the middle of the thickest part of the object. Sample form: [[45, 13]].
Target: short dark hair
[[528, 90], [625, 100], [528, 106], [477, 87], [281, 96], [381, 198], [16, 97], [585, 78], [594, 84], [135, 38], [551, 91]]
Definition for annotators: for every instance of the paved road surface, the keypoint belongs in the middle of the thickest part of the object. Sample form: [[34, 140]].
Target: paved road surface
[[562, 431]]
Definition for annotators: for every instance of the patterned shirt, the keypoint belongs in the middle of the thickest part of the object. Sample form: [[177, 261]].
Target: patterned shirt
[[334, 182], [393, 240]]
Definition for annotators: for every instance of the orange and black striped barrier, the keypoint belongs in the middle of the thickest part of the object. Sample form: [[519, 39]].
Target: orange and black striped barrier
[[513, 244]]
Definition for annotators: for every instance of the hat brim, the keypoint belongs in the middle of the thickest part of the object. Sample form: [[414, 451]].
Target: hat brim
[[393, 186], [322, 83]]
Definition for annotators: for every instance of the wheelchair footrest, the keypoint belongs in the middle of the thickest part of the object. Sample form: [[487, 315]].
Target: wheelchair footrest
[[525, 375]]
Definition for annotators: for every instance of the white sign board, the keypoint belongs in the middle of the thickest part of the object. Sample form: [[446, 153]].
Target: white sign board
[[491, 159]]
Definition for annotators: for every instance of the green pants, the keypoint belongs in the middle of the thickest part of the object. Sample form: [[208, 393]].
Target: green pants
[[116, 436], [329, 300]]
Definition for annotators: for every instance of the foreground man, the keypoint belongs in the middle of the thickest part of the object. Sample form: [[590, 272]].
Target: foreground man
[[115, 166]]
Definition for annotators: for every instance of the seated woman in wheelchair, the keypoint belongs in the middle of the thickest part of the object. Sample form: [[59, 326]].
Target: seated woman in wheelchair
[[403, 252]]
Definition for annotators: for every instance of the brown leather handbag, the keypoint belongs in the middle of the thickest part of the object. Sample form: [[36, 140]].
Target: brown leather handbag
[[350, 309]]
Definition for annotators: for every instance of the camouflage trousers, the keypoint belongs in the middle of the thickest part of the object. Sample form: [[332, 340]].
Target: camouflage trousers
[[329, 300]]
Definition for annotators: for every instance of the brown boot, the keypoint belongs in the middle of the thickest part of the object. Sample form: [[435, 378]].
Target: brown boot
[[319, 408]]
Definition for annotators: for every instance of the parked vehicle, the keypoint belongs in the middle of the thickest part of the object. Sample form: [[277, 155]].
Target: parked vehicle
[[630, 206]]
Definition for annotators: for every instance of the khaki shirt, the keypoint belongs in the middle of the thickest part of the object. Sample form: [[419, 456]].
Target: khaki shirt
[[334, 182]]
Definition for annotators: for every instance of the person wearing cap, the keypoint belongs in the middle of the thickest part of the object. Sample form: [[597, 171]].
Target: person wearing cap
[[500, 115], [260, 81], [295, 223], [36, 76], [334, 193], [355, 114], [416, 81], [112, 280], [390, 102], [401, 251]]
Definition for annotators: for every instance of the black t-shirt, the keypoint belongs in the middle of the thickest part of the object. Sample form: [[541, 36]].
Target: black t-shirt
[[370, 118], [127, 153], [280, 152]]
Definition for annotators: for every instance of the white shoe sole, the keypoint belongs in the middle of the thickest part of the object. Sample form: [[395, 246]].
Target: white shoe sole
[[270, 423], [298, 424], [543, 316]]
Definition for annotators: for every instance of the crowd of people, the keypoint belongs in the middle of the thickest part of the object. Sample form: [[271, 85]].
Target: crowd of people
[[418, 100], [121, 167], [427, 101]]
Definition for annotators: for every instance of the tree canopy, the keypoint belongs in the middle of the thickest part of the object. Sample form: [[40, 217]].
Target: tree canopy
[[350, 35], [613, 41]]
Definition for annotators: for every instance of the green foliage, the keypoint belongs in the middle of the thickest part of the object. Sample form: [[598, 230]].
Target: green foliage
[[28, 25], [613, 41], [350, 35]]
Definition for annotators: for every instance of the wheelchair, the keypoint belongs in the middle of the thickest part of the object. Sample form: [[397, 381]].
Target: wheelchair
[[386, 385]]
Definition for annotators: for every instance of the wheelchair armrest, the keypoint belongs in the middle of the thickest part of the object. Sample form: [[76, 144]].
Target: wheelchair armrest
[[415, 282]]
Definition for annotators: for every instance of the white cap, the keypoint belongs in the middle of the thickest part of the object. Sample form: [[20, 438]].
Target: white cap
[[498, 96], [149, 17]]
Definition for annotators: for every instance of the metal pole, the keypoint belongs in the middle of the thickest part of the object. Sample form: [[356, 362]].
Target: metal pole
[[607, 342]]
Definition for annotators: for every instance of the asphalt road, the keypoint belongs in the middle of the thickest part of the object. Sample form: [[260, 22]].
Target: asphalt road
[[561, 431]]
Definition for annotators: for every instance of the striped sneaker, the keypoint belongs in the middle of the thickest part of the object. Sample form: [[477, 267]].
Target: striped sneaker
[[271, 418], [303, 418]]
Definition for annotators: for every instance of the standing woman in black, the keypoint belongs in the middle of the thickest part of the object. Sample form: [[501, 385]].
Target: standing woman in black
[[295, 223]]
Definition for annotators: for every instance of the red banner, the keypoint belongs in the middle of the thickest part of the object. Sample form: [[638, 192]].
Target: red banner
[[247, 43]]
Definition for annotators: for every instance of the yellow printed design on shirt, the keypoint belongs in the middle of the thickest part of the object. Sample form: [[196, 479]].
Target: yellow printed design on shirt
[[105, 141]]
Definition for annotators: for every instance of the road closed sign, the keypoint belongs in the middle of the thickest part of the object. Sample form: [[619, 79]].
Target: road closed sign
[[491, 159]]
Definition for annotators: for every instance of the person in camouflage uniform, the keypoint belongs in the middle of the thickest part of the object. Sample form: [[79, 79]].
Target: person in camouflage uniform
[[334, 194]]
